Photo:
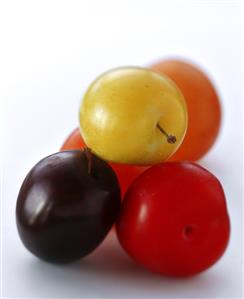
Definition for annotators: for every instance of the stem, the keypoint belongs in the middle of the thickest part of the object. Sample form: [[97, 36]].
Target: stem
[[170, 138], [88, 155]]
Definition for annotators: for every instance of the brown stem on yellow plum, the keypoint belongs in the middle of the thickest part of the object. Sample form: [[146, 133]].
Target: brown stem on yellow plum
[[170, 138], [88, 155]]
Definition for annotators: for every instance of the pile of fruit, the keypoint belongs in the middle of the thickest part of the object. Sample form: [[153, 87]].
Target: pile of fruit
[[131, 163]]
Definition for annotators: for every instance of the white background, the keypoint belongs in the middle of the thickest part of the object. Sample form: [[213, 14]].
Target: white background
[[50, 52]]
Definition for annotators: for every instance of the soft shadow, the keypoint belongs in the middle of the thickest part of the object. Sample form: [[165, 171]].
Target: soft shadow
[[111, 264], [110, 273]]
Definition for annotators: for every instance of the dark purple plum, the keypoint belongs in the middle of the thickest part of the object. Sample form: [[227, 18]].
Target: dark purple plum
[[66, 205]]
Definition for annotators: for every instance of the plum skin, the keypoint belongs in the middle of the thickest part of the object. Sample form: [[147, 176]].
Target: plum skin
[[64, 210]]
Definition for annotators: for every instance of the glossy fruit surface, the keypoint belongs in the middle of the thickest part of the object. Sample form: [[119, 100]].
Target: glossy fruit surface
[[122, 111], [174, 219], [73, 141], [126, 173], [66, 206], [203, 104]]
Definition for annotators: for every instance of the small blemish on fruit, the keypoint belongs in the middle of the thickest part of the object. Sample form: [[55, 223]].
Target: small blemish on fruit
[[188, 231]]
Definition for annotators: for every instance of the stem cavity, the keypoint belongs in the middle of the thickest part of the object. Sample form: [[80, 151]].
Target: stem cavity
[[170, 138]]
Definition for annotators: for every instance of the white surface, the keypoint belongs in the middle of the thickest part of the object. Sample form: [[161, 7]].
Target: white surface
[[50, 52]]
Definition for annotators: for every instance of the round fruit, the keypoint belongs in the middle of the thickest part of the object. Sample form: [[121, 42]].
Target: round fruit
[[67, 204], [126, 173], [73, 141], [133, 116], [204, 111], [174, 219]]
